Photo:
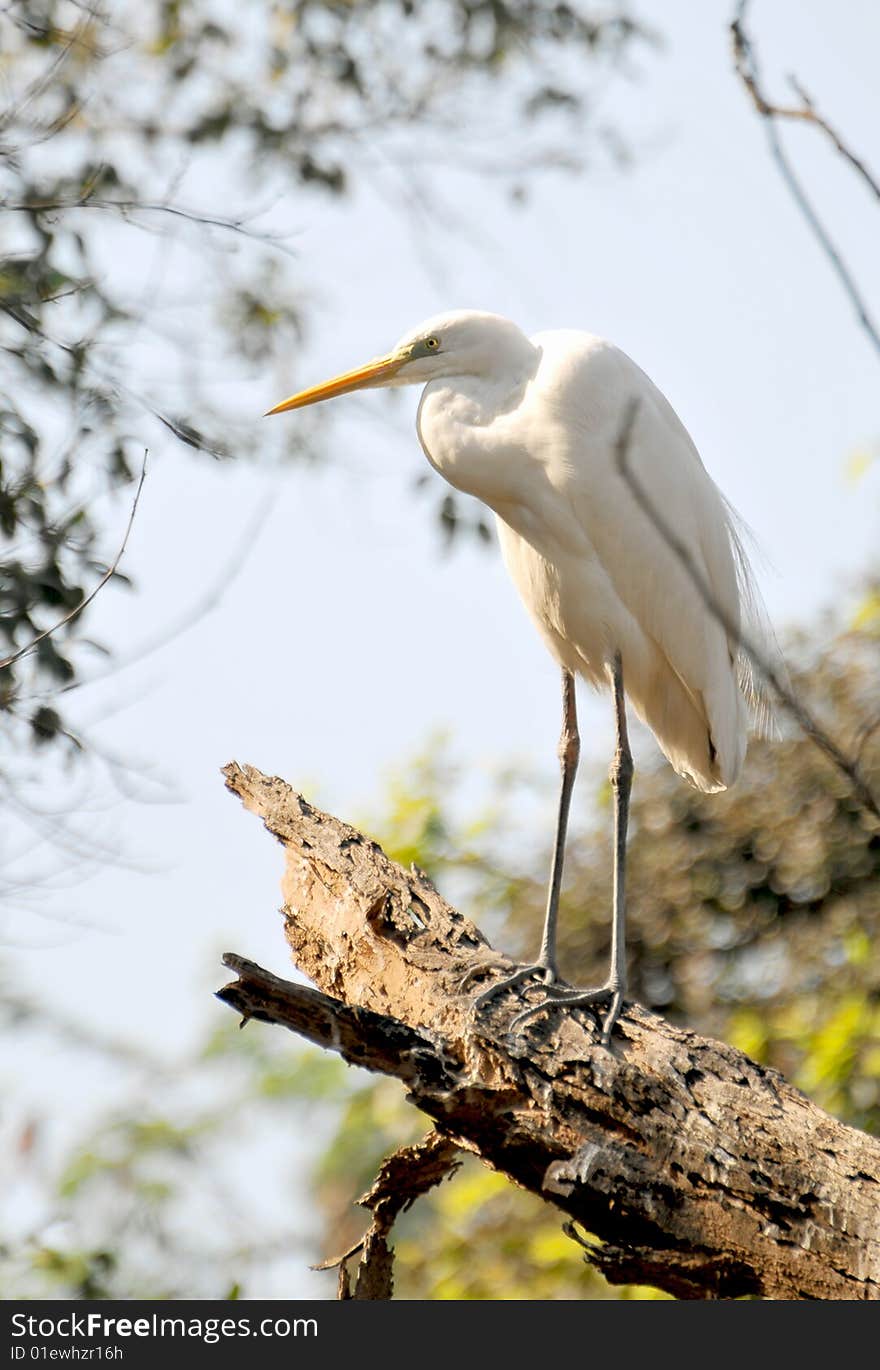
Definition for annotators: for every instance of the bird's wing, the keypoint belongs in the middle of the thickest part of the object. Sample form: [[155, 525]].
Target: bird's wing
[[758, 638], [641, 544]]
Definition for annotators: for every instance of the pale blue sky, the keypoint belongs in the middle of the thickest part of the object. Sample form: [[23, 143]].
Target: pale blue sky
[[347, 639]]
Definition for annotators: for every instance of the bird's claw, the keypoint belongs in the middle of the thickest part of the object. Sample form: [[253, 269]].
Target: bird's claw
[[557, 995], [510, 982], [480, 968]]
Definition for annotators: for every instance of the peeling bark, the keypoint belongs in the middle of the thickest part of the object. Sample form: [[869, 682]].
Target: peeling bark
[[701, 1172]]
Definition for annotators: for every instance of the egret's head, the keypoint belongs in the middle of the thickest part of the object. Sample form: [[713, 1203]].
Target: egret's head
[[463, 342]]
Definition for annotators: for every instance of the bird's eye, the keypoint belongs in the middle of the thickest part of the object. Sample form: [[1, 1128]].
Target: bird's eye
[[432, 344]]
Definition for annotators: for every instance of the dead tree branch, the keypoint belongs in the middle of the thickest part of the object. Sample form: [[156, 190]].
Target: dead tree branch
[[403, 1177], [699, 1171]]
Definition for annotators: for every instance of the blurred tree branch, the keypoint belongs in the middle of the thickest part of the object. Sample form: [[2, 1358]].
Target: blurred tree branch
[[87, 599], [746, 64]]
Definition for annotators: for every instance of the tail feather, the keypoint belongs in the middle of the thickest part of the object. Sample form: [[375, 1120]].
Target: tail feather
[[758, 647], [706, 746]]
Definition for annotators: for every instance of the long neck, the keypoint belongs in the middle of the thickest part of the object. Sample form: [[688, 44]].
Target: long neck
[[462, 425]]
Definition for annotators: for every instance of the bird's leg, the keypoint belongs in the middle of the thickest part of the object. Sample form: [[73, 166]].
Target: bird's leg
[[621, 774], [621, 783], [569, 755]]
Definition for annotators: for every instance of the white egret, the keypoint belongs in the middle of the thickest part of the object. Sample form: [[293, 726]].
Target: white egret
[[531, 426]]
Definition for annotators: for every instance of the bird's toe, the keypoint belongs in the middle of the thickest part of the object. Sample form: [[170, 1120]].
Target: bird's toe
[[561, 997], [478, 969], [508, 982]]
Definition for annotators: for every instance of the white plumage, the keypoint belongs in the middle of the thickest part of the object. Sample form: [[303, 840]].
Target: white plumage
[[531, 427], [537, 445]]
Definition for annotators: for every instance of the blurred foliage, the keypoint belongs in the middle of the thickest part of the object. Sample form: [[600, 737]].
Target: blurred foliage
[[486, 1239], [867, 615], [116, 120], [159, 1195], [755, 917]]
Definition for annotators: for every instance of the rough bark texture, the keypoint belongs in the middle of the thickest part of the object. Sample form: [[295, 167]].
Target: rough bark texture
[[402, 1179], [701, 1172]]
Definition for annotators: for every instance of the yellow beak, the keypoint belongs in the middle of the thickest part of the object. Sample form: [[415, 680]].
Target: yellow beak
[[374, 373]]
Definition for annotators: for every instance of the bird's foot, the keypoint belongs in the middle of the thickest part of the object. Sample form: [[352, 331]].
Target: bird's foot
[[573, 998], [480, 968], [518, 977]]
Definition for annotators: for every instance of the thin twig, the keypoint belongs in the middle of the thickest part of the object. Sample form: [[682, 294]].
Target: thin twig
[[87, 599], [747, 68], [863, 737], [42, 82], [181, 430], [197, 611], [789, 701], [125, 207], [807, 111]]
